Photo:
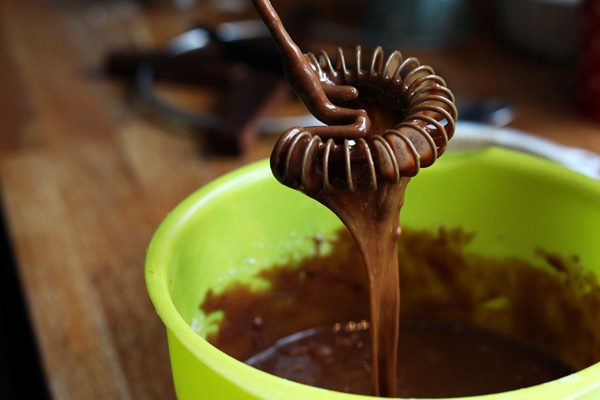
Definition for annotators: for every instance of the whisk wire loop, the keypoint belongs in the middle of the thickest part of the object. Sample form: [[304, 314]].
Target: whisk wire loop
[[302, 159]]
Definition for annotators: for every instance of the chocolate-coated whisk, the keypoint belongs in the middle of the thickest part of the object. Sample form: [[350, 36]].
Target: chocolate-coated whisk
[[353, 149], [304, 160]]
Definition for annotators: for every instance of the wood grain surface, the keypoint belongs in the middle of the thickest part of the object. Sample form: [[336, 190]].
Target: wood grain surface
[[87, 174]]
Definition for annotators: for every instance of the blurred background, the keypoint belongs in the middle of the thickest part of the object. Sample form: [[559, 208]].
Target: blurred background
[[111, 112]]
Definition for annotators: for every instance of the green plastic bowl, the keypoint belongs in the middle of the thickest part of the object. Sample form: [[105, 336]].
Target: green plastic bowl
[[246, 221]]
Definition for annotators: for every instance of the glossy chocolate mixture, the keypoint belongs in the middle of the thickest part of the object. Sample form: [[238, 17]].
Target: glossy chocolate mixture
[[436, 358], [392, 112]]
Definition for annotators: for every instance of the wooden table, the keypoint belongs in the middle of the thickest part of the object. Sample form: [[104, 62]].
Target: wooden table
[[87, 177]]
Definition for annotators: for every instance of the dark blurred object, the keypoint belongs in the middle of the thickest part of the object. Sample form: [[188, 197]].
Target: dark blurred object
[[588, 87], [547, 28], [21, 375], [417, 23]]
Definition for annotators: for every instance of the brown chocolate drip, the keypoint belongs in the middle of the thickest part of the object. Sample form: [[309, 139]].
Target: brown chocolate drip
[[372, 219], [389, 120]]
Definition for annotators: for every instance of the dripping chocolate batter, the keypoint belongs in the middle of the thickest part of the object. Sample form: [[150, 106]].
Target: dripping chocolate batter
[[383, 122]]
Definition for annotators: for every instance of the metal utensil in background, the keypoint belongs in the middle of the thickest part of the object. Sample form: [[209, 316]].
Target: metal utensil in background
[[237, 57], [253, 80]]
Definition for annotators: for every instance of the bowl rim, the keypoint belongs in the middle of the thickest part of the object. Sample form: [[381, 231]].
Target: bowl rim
[[264, 385]]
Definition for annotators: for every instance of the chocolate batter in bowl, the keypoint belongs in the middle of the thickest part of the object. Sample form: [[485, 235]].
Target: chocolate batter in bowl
[[514, 210]]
